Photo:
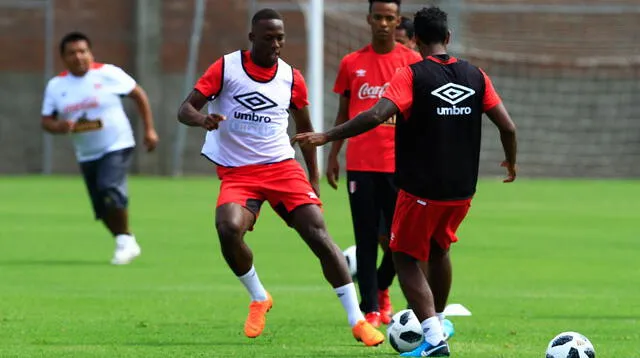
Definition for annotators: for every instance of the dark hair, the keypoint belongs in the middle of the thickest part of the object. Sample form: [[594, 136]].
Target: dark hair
[[397, 2], [431, 25], [265, 14], [73, 37], [407, 25]]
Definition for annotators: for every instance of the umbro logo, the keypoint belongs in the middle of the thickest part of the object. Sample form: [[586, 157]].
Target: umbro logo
[[361, 72], [453, 93], [255, 101]]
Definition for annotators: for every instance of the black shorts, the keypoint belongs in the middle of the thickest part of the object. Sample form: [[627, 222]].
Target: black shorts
[[106, 180]]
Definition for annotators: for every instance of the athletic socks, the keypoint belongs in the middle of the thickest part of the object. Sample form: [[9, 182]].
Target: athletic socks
[[349, 299], [252, 283], [432, 330]]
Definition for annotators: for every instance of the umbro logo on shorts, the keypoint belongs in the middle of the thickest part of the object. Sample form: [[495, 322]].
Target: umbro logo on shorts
[[453, 93], [255, 101]]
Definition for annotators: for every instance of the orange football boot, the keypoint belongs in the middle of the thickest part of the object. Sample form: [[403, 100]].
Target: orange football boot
[[257, 319], [364, 332]]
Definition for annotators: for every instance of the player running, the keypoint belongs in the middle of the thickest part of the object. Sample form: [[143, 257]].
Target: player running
[[439, 102], [362, 78], [251, 94], [84, 101]]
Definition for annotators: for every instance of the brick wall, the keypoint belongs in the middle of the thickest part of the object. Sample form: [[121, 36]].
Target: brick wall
[[532, 57]]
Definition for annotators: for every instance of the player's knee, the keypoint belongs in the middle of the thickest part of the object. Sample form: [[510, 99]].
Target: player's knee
[[112, 198], [229, 230]]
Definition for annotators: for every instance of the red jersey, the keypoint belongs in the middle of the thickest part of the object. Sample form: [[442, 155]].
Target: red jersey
[[363, 76], [211, 82]]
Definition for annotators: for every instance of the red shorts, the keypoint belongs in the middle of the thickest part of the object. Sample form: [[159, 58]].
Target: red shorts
[[417, 222], [284, 185]]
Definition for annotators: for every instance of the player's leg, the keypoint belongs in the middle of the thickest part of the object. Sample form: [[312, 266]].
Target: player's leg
[[112, 192], [387, 194], [364, 213], [386, 273], [292, 197], [413, 225], [439, 275], [440, 270], [238, 205], [307, 220]]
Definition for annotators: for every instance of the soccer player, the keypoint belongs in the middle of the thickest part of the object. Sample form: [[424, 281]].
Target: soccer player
[[84, 102], [439, 102], [405, 33], [362, 78], [250, 95]]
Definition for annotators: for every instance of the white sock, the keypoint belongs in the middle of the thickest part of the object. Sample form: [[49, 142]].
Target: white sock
[[253, 285], [123, 240], [432, 330], [349, 299], [440, 316]]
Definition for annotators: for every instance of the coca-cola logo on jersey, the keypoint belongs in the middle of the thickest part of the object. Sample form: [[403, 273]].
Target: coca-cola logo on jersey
[[371, 92]]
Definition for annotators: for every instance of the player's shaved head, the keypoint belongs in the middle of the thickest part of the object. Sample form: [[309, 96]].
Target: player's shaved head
[[397, 2], [431, 26], [267, 36], [265, 14]]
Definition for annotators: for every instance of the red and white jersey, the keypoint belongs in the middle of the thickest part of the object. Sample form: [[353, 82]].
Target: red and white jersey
[[363, 76], [93, 103], [255, 102]]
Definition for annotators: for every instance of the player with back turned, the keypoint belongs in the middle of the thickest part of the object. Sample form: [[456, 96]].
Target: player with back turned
[[439, 102]]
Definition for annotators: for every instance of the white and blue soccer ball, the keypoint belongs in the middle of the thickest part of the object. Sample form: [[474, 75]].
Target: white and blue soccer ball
[[404, 332], [570, 345], [350, 255]]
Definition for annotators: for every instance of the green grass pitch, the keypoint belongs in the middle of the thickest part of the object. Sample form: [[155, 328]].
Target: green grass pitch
[[536, 258]]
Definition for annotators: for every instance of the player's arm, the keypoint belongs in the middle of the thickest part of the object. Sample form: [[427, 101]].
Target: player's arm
[[299, 110], [342, 87], [398, 98], [141, 100], [189, 111], [303, 124], [500, 117], [333, 165], [208, 86], [52, 125], [49, 115], [363, 122], [496, 111]]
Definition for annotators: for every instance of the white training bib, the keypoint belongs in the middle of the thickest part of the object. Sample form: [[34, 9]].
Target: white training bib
[[255, 131], [93, 103]]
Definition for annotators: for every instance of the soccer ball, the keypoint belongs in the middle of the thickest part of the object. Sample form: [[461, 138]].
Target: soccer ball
[[350, 255], [404, 332], [570, 345]]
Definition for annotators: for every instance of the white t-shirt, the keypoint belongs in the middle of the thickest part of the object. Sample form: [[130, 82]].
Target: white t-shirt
[[93, 103], [255, 131]]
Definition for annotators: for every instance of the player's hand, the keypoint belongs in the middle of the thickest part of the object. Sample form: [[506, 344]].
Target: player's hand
[[64, 127], [315, 184], [211, 121], [151, 139], [333, 171], [511, 171], [310, 139]]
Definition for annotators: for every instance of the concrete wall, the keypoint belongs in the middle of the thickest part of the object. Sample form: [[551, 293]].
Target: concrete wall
[[575, 118]]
